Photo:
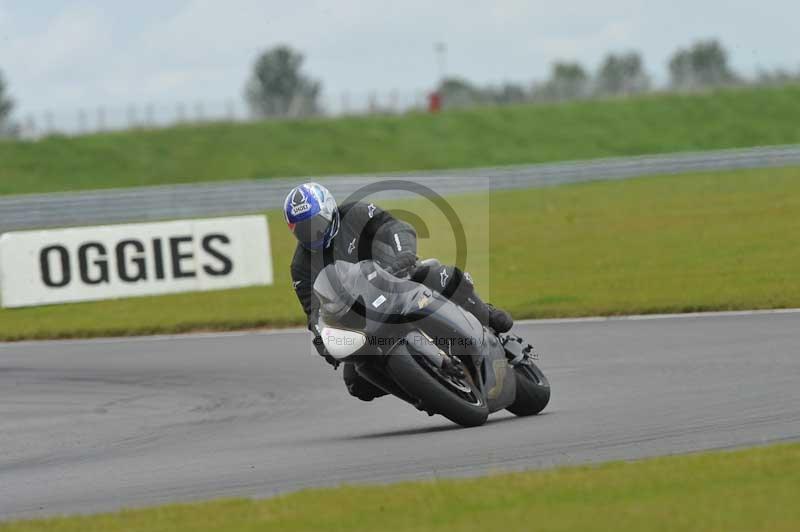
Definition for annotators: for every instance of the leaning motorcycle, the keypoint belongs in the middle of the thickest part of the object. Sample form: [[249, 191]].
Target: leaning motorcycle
[[419, 346]]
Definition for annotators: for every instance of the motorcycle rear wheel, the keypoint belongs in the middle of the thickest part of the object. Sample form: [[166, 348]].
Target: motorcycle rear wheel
[[533, 390]]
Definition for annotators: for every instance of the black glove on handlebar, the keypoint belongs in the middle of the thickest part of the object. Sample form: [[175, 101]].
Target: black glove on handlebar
[[403, 265], [320, 346]]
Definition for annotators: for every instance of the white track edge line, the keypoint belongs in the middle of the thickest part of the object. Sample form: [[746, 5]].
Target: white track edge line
[[647, 317], [296, 330]]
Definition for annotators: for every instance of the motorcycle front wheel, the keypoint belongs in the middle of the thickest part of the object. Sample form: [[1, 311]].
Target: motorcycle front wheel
[[456, 398]]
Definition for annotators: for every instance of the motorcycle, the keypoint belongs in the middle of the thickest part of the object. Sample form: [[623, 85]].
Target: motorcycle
[[417, 345]]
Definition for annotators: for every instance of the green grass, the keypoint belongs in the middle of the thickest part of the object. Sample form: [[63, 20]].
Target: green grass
[[752, 490], [467, 138], [662, 244]]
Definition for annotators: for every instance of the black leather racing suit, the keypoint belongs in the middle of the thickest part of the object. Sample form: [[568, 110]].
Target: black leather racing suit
[[369, 233]]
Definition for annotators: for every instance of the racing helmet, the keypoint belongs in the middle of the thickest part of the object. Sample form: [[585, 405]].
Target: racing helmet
[[312, 215]]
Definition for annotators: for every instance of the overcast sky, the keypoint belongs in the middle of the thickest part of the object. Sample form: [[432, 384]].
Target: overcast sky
[[64, 55]]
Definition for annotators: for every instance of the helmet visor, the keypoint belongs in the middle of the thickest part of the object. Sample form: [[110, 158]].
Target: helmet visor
[[313, 232]]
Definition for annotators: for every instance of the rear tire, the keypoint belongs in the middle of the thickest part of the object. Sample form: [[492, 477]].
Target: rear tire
[[434, 395], [533, 390]]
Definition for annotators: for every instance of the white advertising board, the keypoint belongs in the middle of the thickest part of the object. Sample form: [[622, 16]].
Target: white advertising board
[[113, 261]]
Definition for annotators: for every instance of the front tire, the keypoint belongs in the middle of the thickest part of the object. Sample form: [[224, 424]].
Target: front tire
[[420, 379], [533, 390]]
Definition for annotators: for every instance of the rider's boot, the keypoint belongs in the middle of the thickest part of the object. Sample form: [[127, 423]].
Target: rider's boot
[[489, 315]]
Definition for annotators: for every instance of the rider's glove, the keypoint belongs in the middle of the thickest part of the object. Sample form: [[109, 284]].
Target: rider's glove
[[403, 264], [320, 346]]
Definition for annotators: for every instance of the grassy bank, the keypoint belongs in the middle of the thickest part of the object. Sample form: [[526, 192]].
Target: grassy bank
[[753, 490], [663, 244], [457, 139]]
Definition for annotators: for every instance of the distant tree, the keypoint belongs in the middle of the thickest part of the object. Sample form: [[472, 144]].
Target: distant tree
[[278, 87], [507, 93], [622, 74], [458, 92], [568, 81], [6, 105], [705, 64], [777, 77]]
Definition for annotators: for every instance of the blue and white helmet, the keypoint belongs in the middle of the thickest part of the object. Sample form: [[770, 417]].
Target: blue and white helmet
[[312, 215]]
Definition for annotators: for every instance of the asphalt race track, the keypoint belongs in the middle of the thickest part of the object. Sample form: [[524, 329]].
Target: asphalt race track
[[89, 426]]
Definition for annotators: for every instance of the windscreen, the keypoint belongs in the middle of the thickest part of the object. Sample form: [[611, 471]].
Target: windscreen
[[364, 289], [334, 288]]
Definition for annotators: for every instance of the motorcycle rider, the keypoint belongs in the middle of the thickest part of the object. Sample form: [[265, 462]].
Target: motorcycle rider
[[359, 231]]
